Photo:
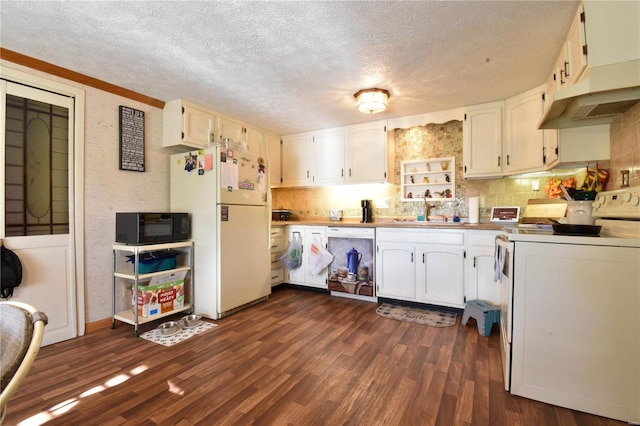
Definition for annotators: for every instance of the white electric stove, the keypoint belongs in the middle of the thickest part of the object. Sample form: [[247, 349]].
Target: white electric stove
[[617, 211], [570, 311]]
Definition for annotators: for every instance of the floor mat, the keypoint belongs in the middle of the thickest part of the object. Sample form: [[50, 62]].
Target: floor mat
[[155, 336], [419, 316]]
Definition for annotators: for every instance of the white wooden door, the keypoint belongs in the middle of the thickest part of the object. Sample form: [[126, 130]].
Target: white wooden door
[[367, 153], [254, 138], [230, 128], [37, 210], [296, 160], [524, 142], [482, 141], [298, 275], [199, 127], [328, 157], [274, 154], [440, 275], [395, 270]]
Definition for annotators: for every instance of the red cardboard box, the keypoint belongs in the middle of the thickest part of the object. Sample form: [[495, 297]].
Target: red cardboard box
[[160, 298]]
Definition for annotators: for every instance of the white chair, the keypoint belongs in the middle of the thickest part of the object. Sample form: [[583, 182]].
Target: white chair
[[21, 331]]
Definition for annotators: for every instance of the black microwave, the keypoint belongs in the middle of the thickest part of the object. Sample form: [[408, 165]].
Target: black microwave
[[151, 228]]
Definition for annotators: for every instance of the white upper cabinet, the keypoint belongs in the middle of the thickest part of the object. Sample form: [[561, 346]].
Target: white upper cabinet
[[254, 137], [551, 140], [575, 51], [238, 131], [611, 29], [482, 140], [230, 128], [366, 155], [328, 156], [296, 159], [274, 154], [572, 60], [190, 126], [524, 142], [354, 154], [187, 125]]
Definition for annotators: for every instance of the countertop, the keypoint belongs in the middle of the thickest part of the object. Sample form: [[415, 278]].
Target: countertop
[[389, 222]]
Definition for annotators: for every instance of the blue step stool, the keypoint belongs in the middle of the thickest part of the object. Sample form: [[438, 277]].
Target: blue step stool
[[485, 314]]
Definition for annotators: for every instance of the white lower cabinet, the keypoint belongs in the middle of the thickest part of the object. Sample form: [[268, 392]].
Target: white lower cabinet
[[302, 275], [479, 269], [395, 268], [439, 275], [424, 266]]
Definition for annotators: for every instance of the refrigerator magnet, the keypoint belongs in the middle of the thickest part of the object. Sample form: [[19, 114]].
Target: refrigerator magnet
[[190, 162], [208, 162]]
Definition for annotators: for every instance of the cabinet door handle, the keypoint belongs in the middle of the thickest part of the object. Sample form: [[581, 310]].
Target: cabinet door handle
[[422, 257], [498, 161], [508, 162], [411, 257], [474, 261]]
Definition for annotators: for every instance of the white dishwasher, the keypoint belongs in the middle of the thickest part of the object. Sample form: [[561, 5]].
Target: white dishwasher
[[351, 274]]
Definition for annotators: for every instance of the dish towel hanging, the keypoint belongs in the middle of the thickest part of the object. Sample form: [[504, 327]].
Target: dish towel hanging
[[498, 261]]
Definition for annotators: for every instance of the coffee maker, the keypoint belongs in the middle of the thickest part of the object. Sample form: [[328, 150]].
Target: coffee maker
[[367, 211]]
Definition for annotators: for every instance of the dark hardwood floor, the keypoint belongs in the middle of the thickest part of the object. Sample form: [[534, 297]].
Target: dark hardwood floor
[[300, 358]]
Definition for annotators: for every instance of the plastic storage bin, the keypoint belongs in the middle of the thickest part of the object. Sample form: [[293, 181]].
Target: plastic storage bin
[[155, 261]]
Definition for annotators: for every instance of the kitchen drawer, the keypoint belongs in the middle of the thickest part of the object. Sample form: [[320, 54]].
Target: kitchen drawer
[[275, 257], [277, 231], [421, 236], [277, 245], [277, 276]]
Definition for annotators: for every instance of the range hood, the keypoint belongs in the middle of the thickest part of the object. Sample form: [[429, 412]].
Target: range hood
[[607, 91]]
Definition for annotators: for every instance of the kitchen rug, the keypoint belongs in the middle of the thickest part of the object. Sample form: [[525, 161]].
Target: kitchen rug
[[155, 336], [416, 315]]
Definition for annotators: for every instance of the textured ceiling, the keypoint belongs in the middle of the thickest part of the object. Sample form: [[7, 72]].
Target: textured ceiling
[[290, 67]]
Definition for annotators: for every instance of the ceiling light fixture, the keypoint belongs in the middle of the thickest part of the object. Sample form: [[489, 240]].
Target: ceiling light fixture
[[372, 100]]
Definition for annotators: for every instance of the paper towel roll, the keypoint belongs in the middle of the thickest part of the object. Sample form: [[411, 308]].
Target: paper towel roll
[[474, 212]]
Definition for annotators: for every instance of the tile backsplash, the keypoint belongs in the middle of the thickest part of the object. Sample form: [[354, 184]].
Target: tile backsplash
[[445, 140]]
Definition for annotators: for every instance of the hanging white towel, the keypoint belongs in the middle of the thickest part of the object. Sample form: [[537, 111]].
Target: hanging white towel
[[498, 261]]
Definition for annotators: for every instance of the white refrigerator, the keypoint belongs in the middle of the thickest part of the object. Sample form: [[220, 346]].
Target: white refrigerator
[[226, 193]]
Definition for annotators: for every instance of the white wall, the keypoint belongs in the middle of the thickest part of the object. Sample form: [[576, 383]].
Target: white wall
[[108, 189]]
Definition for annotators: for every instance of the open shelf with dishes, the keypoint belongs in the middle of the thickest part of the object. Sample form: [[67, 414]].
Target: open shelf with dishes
[[433, 179]]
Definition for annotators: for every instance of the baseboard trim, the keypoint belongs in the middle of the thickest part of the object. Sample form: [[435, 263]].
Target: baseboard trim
[[98, 325]]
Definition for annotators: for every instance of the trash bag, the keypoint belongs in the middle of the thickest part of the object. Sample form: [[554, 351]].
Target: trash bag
[[319, 257], [292, 257], [11, 272]]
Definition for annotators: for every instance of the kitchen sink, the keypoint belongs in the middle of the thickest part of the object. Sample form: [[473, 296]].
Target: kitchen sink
[[427, 223]]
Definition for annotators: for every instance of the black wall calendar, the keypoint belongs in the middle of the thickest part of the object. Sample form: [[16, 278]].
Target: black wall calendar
[[131, 139]]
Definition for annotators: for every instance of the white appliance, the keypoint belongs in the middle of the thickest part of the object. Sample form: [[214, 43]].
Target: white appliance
[[226, 193], [340, 240], [570, 317]]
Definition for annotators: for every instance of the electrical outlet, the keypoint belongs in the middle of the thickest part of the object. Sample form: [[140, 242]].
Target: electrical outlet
[[382, 203]]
